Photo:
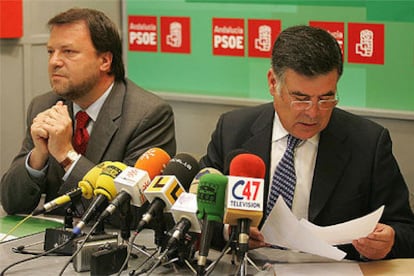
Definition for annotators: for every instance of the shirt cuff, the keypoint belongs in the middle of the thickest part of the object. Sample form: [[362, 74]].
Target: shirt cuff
[[71, 167], [37, 174]]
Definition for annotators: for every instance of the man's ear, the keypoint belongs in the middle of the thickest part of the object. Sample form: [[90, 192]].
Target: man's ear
[[271, 82], [106, 62]]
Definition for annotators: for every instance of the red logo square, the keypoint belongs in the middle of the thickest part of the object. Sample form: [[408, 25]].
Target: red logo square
[[228, 36], [175, 35], [336, 29], [262, 34], [142, 33], [366, 43]]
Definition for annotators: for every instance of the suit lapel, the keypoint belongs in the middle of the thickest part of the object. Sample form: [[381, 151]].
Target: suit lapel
[[258, 143], [332, 157], [106, 124]]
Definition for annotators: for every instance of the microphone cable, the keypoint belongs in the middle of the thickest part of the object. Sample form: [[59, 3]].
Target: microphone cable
[[80, 247], [144, 263], [21, 250], [130, 246], [225, 250], [36, 256], [15, 227]]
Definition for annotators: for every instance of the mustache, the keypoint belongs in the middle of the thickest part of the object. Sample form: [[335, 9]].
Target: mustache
[[308, 121]]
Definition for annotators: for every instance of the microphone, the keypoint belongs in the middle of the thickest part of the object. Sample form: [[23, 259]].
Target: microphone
[[196, 180], [153, 161], [132, 182], [164, 189], [105, 191], [85, 188], [229, 157], [244, 196], [210, 201], [184, 212], [186, 208]]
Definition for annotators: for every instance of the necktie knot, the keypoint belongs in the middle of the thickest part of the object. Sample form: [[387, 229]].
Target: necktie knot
[[292, 142], [82, 119], [81, 135]]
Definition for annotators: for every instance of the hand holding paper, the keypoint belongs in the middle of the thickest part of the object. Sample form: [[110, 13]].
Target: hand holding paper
[[283, 229]]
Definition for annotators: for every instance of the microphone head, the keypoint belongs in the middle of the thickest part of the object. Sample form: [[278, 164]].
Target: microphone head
[[105, 182], [229, 157], [184, 167], [210, 197], [153, 161], [249, 165], [196, 180], [186, 207], [134, 181], [88, 182], [244, 196]]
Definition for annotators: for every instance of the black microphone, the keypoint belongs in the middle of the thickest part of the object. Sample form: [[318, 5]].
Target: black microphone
[[164, 189]]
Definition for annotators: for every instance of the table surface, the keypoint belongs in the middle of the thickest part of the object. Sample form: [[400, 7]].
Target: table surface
[[52, 265]]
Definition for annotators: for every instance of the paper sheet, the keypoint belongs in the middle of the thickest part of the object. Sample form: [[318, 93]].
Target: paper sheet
[[283, 229], [344, 233], [340, 269]]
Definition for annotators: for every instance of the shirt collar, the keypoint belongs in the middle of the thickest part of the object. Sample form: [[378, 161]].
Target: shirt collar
[[93, 109], [279, 132]]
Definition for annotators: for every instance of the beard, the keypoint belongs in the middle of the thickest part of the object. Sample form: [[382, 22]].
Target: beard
[[71, 91]]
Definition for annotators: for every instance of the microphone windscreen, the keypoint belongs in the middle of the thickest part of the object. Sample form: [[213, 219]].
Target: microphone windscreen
[[210, 197], [229, 158], [184, 167], [105, 182], [196, 180], [248, 165], [88, 182], [153, 161]]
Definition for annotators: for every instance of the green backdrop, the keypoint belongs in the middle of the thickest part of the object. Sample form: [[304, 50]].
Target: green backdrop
[[389, 86]]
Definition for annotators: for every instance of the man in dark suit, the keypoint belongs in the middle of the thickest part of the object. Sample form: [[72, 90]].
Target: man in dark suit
[[344, 164], [86, 74]]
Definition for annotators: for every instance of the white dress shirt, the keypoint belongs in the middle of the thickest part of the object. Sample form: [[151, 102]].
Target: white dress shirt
[[305, 158]]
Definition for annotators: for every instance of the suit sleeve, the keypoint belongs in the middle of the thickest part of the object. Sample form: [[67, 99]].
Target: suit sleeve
[[391, 188], [214, 157], [156, 129], [19, 192]]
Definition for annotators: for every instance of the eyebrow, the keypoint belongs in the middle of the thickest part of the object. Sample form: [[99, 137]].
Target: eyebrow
[[301, 94]]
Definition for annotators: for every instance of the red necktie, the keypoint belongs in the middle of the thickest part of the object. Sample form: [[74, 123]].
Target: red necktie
[[81, 137]]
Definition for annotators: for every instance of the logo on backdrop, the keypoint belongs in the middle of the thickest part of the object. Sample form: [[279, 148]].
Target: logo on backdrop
[[262, 34], [175, 35], [228, 36], [142, 33]]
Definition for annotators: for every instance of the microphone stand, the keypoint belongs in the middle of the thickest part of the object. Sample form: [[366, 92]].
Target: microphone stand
[[232, 245], [179, 253]]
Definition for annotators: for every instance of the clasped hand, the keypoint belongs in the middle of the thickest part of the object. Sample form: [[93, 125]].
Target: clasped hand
[[51, 132]]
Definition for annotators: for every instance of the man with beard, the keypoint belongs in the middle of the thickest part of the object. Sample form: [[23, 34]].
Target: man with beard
[[86, 73]]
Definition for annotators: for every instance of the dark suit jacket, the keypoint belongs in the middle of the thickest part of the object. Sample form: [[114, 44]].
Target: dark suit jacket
[[131, 121], [355, 171]]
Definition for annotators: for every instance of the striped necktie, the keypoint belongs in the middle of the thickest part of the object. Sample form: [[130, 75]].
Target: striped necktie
[[284, 178]]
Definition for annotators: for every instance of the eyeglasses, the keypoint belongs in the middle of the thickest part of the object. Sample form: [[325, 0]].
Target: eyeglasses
[[302, 105]]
